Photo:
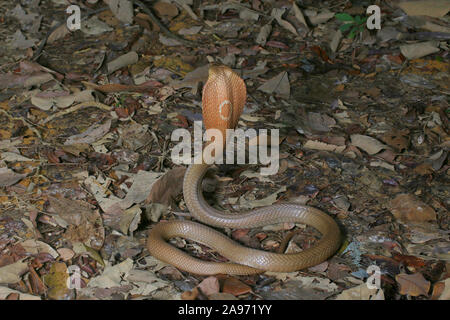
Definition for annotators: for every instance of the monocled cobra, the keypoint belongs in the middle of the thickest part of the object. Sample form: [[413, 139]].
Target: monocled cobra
[[223, 100]]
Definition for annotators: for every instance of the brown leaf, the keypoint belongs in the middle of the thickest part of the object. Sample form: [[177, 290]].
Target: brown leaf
[[9, 177], [209, 286], [398, 139], [408, 208], [424, 169], [84, 224], [168, 187], [410, 261], [37, 285], [58, 33], [235, 287], [190, 295], [438, 288], [413, 284], [165, 9]]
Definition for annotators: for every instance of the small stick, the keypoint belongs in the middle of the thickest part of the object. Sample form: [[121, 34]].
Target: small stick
[[161, 26]]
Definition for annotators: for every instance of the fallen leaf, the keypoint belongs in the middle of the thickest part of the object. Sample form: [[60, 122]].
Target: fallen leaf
[[366, 143], [407, 208], [278, 84], [9, 177], [94, 26], [12, 273], [413, 284], [263, 34], [419, 50], [142, 182], [122, 61], [112, 276], [432, 8], [397, 139], [165, 9], [190, 295], [209, 286], [361, 292], [235, 287], [5, 292], [277, 13], [18, 41], [58, 33], [91, 134], [318, 145], [168, 187], [445, 294]]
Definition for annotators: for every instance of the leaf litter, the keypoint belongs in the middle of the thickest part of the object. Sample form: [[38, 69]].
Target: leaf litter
[[85, 145]]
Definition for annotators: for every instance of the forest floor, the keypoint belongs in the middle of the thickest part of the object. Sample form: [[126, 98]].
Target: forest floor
[[86, 119]]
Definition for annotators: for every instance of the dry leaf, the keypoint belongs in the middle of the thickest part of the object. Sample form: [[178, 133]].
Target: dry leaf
[[263, 34], [413, 284], [432, 8], [235, 287], [91, 134], [12, 273], [168, 187], [122, 61], [209, 286], [9, 177], [277, 13], [366, 143], [83, 223], [407, 208], [318, 145], [58, 33], [419, 50], [361, 292], [122, 9], [112, 276], [445, 294], [18, 41], [5, 292], [397, 138], [278, 84], [165, 9], [299, 15]]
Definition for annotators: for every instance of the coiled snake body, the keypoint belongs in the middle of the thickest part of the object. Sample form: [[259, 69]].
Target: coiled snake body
[[223, 100]]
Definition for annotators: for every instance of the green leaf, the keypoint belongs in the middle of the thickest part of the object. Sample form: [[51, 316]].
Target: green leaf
[[358, 19], [352, 33], [345, 27], [344, 17]]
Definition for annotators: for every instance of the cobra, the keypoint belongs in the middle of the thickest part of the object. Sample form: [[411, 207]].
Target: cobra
[[223, 100]]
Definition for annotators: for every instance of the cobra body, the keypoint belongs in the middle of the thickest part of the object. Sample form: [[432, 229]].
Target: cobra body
[[223, 100]]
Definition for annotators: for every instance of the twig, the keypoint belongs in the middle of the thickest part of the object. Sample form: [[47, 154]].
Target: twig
[[161, 26], [75, 108]]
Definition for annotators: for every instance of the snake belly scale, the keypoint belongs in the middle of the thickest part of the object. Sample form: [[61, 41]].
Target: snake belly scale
[[223, 100]]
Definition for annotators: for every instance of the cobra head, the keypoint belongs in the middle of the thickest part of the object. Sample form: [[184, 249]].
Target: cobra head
[[223, 99]]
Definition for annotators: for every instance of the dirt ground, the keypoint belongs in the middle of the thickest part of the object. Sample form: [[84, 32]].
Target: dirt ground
[[86, 119]]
